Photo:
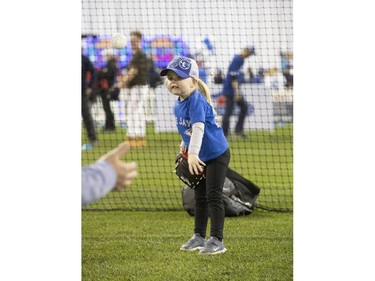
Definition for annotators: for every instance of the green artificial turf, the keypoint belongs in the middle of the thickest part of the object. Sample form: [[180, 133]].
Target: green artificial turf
[[266, 158], [144, 245]]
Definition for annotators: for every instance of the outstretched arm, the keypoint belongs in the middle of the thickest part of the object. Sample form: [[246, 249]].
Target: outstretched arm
[[108, 173]]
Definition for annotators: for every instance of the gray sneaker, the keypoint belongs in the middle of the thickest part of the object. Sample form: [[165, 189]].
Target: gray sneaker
[[196, 242], [213, 246]]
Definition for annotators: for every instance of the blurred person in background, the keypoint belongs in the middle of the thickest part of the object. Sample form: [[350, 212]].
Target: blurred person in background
[[251, 76], [154, 80], [260, 74], [232, 93], [88, 80], [106, 174], [274, 79], [219, 77], [254, 78], [288, 75], [203, 73], [286, 65], [135, 81], [106, 81]]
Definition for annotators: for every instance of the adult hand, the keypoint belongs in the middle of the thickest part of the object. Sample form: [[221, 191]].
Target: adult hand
[[125, 171]]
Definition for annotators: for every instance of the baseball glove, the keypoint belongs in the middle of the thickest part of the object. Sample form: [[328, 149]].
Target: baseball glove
[[182, 171]]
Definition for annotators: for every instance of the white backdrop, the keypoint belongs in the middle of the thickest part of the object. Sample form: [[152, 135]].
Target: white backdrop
[[230, 25]]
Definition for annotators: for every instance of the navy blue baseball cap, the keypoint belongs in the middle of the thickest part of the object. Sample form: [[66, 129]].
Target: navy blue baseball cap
[[183, 66]]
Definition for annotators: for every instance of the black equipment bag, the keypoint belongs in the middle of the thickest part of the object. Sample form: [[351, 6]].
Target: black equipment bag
[[239, 196]]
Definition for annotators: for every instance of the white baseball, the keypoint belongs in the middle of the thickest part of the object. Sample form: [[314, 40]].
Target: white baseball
[[118, 41]]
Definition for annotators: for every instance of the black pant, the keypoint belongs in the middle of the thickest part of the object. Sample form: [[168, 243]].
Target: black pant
[[229, 111], [88, 121], [209, 197], [109, 116]]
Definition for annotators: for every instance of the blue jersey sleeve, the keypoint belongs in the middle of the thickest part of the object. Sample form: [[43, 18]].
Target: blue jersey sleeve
[[235, 66]]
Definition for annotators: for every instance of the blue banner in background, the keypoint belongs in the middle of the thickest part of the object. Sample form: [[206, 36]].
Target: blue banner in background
[[161, 48]]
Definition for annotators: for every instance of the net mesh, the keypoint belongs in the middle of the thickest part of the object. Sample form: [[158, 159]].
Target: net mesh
[[212, 33]]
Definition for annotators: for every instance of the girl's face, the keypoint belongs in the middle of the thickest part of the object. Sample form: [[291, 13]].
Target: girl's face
[[178, 86]]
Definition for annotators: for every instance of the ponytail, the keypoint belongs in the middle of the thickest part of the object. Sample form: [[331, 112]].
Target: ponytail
[[202, 88]]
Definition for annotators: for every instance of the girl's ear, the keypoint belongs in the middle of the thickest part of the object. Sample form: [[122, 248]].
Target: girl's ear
[[195, 81]]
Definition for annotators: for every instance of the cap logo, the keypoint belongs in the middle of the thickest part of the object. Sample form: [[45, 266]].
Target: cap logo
[[184, 64]]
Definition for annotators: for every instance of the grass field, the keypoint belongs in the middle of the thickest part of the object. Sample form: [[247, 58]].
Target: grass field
[[266, 159], [125, 245], [132, 244]]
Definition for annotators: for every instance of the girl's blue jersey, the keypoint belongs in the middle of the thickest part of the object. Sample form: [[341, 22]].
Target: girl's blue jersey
[[196, 109]]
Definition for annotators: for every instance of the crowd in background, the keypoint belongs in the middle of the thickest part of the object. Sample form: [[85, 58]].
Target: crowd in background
[[108, 83]]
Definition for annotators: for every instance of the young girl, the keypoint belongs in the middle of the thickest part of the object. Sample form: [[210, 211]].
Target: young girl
[[207, 148]]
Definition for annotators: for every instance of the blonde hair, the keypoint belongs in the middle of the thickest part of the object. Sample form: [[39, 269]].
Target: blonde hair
[[203, 88]]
